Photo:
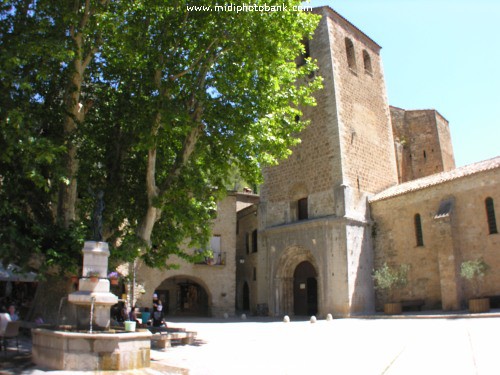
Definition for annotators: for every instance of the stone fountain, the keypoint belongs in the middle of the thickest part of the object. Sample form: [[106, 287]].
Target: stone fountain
[[92, 347], [93, 296]]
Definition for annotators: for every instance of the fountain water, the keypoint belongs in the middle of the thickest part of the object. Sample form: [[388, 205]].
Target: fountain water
[[92, 301], [60, 308], [91, 351]]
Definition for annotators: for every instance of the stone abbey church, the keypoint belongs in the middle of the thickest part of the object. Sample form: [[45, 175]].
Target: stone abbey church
[[369, 184]]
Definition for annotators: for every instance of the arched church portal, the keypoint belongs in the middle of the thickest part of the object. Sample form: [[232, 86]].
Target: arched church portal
[[305, 290], [185, 296], [296, 283]]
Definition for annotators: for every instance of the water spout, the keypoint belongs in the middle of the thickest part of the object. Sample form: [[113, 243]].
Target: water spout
[[92, 301], [60, 308]]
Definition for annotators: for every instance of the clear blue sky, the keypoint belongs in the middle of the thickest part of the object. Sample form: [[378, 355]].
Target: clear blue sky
[[439, 54]]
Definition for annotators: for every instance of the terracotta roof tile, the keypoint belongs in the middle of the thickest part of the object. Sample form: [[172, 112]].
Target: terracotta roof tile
[[436, 179]]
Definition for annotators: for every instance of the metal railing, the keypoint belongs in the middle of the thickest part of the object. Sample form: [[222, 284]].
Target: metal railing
[[218, 259]]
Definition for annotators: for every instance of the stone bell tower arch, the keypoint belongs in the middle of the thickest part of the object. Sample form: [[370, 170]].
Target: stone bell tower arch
[[285, 280]]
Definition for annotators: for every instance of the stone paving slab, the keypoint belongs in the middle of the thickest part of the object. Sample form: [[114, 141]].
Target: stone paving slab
[[447, 345]]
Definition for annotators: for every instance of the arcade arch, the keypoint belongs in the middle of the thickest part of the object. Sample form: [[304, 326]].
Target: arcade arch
[[185, 296]]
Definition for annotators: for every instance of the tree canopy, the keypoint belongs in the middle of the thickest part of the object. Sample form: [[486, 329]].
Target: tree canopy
[[151, 104]]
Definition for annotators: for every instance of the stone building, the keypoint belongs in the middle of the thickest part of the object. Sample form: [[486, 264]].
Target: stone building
[[202, 289], [348, 198], [433, 224], [368, 184]]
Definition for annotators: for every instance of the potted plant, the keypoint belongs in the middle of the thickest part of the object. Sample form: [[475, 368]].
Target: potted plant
[[93, 276], [113, 277], [473, 271], [389, 279]]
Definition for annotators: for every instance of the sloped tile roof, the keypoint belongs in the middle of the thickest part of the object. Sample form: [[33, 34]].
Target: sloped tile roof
[[436, 179]]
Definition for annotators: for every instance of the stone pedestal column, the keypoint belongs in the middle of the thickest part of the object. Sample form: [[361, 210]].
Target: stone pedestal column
[[94, 294]]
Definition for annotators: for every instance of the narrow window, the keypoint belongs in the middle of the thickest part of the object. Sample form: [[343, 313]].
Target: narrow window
[[367, 61], [418, 230], [302, 207], [254, 241], [490, 214], [215, 243], [216, 248], [351, 57], [302, 59], [247, 243]]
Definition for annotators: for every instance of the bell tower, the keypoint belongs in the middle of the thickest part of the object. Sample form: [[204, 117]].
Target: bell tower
[[314, 204]]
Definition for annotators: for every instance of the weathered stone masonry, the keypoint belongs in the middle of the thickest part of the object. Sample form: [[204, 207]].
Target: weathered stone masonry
[[346, 201]]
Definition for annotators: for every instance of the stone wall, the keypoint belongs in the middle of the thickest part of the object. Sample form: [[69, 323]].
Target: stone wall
[[366, 140], [346, 153], [314, 167], [247, 260], [218, 281], [423, 143], [451, 233]]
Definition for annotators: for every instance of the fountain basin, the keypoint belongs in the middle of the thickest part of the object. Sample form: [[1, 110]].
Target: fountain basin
[[76, 351]]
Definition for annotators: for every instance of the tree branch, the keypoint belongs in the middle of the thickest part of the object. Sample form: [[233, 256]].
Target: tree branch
[[173, 77]]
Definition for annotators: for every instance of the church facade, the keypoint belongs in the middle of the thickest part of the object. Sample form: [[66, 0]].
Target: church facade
[[369, 184]]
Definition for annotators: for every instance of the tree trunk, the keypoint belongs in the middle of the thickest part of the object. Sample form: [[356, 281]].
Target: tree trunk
[[51, 301], [74, 116]]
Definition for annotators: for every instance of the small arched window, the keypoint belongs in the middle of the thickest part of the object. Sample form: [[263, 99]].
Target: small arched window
[[351, 56], [367, 61], [418, 230], [490, 214]]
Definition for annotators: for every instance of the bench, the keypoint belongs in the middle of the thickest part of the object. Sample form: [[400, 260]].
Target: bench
[[412, 305], [162, 340]]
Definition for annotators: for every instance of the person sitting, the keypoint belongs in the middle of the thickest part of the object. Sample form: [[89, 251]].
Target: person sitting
[[158, 317], [133, 315], [145, 316], [12, 312]]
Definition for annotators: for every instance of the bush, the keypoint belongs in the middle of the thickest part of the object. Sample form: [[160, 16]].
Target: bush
[[390, 278], [473, 271]]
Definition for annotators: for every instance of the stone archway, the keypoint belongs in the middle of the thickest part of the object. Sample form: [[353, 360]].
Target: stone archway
[[185, 296], [289, 262]]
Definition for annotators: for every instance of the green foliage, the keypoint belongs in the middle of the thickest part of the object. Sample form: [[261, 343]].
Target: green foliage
[[184, 101], [389, 278], [92, 273], [473, 271]]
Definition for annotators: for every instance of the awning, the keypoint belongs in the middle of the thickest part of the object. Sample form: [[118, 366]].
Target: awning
[[14, 273]]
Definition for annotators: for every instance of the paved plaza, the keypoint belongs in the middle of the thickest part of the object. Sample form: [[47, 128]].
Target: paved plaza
[[411, 345]]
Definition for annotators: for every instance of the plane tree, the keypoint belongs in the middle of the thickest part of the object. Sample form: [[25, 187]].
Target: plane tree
[[149, 103]]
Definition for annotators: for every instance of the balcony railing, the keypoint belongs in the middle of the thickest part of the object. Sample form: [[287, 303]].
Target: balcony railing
[[218, 259]]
